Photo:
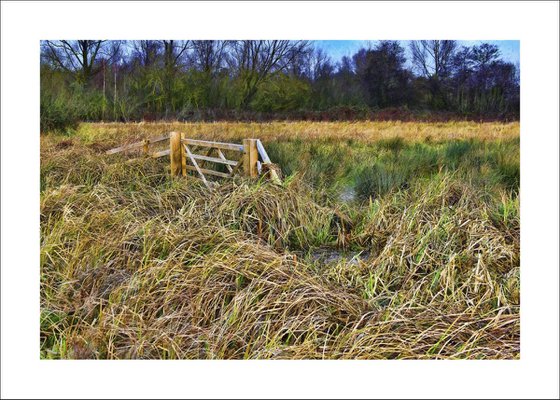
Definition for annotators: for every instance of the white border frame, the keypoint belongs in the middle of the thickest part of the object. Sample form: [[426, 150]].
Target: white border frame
[[535, 24]]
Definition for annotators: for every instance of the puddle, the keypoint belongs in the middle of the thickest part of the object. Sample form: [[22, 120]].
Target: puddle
[[347, 195], [333, 256]]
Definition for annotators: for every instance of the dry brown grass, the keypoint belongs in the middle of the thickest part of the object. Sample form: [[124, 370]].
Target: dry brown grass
[[134, 265]]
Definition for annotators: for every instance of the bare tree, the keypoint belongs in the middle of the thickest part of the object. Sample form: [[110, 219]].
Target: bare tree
[[255, 60], [174, 53], [320, 65], [146, 52], [485, 54], [433, 58], [80, 56], [300, 63], [209, 55]]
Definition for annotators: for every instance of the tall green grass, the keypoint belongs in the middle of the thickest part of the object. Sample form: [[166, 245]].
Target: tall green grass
[[373, 170]]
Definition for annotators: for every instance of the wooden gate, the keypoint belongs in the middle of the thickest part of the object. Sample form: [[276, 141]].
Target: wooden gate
[[184, 156]]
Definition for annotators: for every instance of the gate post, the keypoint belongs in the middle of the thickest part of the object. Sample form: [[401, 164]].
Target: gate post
[[250, 158], [183, 156], [145, 147], [176, 153]]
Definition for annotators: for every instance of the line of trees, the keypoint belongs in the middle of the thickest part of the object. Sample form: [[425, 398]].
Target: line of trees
[[210, 79]]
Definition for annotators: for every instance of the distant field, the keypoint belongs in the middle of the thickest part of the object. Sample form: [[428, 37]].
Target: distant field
[[359, 131], [387, 240]]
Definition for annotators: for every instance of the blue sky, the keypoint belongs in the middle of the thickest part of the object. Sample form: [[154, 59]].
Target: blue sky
[[336, 49]]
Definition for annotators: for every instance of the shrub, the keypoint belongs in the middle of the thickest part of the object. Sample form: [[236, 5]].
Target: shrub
[[57, 115], [281, 93]]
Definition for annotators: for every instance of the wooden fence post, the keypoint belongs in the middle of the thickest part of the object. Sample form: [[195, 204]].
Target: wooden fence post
[[250, 158], [183, 155], [145, 147], [176, 153]]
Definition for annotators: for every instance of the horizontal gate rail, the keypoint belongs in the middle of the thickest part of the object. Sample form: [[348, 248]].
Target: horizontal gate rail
[[160, 153], [137, 145], [209, 172], [216, 145]]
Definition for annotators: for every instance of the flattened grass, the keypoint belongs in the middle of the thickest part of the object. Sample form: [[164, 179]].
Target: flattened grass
[[135, 265]]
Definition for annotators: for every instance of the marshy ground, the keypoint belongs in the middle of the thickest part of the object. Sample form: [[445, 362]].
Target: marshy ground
[[386, 240]]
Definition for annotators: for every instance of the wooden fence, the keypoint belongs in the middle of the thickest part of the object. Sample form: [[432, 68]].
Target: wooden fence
[[184, 157]]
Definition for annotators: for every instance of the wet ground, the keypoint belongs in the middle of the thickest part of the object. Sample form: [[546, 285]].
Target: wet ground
[[348, 194], [334, 256]]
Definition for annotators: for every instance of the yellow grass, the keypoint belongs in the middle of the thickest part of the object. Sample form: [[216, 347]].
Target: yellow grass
[[366, 132]]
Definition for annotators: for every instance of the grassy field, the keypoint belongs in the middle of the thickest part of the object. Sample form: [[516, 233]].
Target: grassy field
[[387, 240]]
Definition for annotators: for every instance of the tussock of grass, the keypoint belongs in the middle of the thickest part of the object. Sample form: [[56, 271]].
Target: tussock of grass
[[135, 265]]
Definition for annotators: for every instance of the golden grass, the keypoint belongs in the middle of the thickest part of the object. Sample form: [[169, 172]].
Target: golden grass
[[364, 132], [135, 265]]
